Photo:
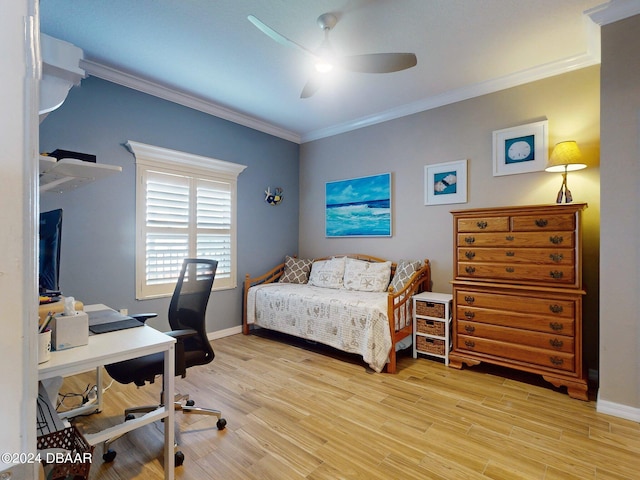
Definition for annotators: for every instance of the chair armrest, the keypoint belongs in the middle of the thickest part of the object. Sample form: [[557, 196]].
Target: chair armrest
[[181, 336], [143, 317]]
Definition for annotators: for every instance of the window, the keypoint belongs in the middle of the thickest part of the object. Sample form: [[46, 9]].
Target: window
[[185, 207]]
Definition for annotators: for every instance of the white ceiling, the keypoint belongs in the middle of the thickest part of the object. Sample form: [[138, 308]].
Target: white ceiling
[[207, 55]]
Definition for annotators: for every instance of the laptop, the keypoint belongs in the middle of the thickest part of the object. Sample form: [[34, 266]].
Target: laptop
[[109, 320]]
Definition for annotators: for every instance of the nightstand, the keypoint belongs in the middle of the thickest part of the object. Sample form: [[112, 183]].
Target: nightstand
[[431, 325]]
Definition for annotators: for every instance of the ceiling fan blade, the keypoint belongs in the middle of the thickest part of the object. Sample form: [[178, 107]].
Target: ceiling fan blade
[[379, 62], [281, 39], [311, 87]]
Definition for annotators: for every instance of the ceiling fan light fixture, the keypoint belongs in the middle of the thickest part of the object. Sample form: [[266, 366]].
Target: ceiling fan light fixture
[[323, 66], [325, 58]]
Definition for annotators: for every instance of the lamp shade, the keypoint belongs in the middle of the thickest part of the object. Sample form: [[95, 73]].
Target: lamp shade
[[565, 157]]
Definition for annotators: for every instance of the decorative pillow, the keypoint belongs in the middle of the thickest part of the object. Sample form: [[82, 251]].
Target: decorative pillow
[[296, 270], [404, 270], [327, 273], [366, 276]]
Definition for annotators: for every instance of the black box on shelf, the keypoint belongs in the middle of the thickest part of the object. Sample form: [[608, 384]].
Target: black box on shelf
[[58, 154]]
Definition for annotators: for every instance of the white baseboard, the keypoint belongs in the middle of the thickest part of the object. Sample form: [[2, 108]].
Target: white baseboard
[[227, 332], [618, 410]]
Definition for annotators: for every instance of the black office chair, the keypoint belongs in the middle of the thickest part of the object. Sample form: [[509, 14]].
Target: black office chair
[[187, 320]]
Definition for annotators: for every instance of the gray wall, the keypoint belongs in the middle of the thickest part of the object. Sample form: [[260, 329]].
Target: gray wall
[[98, 242], [462, 130], [620, 180]]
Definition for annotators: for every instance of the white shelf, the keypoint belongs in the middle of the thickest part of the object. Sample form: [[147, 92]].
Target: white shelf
[[442, 317], [69, 173]]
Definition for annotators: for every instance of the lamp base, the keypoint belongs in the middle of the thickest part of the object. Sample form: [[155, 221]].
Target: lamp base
[[564, 191]]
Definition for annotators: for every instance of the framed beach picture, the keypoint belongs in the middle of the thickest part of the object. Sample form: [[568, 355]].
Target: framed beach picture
[[521, 149], [445, 183], [359, 207]]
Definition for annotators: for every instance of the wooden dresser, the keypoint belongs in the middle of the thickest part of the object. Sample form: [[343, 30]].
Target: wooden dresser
[[517, 291]]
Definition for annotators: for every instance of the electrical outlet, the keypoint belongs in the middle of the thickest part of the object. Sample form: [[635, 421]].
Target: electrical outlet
[[124, 311]]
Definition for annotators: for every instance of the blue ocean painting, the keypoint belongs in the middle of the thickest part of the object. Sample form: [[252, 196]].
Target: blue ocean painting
[[359, 207]]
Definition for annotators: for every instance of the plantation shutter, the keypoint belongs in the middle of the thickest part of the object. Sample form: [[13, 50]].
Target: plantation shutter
[[214, 225], [183, 211]]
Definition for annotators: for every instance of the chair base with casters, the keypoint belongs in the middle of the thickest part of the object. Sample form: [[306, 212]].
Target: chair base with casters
[[181, 403], [187, 321]]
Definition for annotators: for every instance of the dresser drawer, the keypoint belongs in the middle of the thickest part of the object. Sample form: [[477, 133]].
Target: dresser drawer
[[554, 308], [525, 321], [553, 274], [517, 239], [552, 342], [541, 256], [483, 224], [528, 223], [521, 353]]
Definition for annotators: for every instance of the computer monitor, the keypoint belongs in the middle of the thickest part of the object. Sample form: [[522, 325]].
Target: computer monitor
[[50, 242]]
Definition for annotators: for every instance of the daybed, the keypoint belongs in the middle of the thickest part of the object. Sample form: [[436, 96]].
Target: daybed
[[355, 303]]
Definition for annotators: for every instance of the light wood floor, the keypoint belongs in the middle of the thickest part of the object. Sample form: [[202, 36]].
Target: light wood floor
[[297, 411]]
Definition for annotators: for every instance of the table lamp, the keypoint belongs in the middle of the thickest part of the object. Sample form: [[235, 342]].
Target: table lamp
[[565, 157]]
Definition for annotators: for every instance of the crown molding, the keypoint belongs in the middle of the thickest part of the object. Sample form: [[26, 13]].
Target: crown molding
[[591, 57], [136, 83], [464, 93], [613, 11]]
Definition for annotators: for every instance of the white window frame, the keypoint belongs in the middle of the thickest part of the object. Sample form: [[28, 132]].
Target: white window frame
[[150, 158]]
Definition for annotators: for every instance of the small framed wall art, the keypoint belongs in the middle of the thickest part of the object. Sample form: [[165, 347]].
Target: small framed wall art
[[521, 149], [445, 183]]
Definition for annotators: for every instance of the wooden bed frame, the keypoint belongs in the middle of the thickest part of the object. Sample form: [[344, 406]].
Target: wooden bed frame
[[399, 304]]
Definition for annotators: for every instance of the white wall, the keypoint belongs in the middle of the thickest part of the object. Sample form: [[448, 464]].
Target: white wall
[[18, 137]]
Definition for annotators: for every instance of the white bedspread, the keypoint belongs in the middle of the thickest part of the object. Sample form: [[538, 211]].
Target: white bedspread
[[351, 321]]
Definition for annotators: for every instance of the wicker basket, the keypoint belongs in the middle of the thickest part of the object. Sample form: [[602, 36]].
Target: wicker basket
[[73, 441], [429, 309], [429, 345], [430, 327]]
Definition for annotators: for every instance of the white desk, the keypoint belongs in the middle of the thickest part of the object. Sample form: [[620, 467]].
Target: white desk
[[114, 347]]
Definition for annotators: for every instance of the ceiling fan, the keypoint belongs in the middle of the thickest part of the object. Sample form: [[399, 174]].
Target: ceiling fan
[[325, 59]]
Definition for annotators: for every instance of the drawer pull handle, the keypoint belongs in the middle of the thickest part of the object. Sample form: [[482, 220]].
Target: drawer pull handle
[[555, 343], [541, 222], [510, 254], [469, 343], [555, 274], [469, 299], [556, 257], [469, 328], [469, 239], [557, 361], [556, 308], [470, 255], [556, 240], [509, 238], [482, 225], [510, 269], [469, 315], [555, 326], [470, 270]]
